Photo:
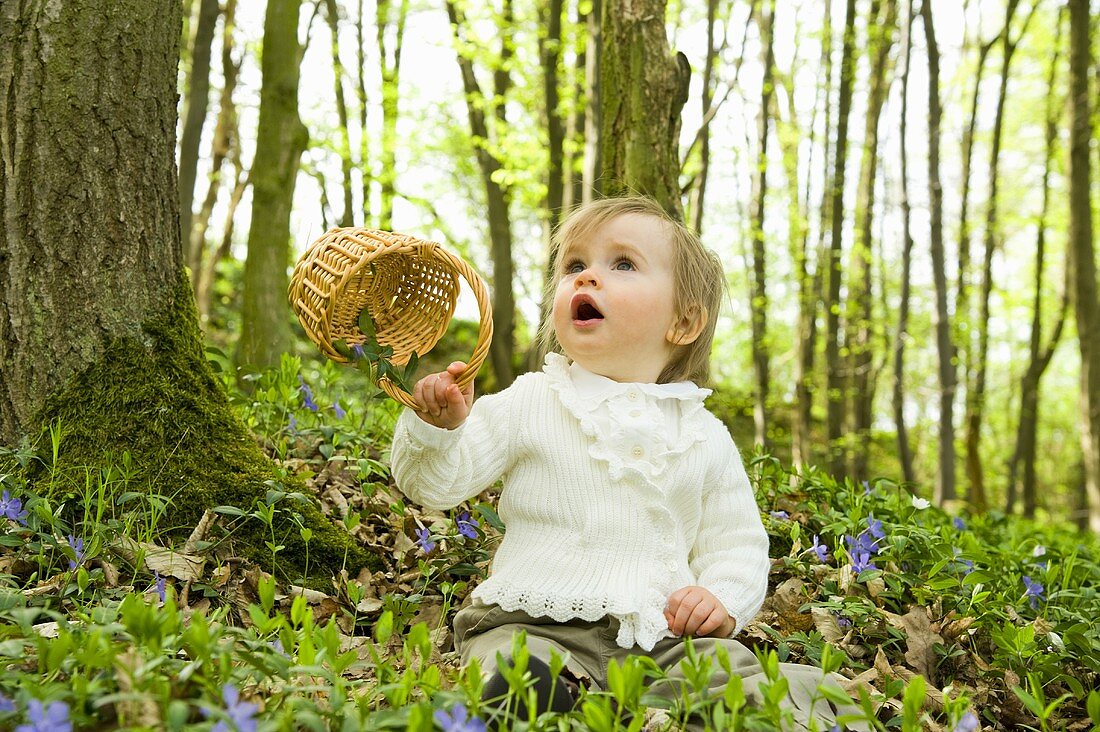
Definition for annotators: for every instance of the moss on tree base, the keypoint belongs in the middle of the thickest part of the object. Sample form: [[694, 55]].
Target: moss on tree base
[[155, 397]]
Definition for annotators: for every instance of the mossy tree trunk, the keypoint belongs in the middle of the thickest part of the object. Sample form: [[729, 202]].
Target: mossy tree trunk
[[280, 139], [642, 88], [98, 328]]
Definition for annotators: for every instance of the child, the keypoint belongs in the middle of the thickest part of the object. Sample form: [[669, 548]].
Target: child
[[630, 519]]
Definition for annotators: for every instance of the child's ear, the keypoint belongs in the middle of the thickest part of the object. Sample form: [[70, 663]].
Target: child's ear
[[687, 328]]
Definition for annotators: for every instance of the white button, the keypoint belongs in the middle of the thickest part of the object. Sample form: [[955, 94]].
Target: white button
[[635, 413], [637, 451], [632, 395]]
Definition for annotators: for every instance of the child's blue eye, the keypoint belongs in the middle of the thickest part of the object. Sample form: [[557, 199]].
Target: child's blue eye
[[574, 267], [624, 265]]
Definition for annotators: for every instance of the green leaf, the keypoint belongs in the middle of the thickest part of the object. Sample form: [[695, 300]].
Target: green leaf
[[366, 324], [486, 512], [1033, 704], [342, 348]]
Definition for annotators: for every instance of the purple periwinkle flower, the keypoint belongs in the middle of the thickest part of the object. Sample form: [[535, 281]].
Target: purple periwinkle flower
[[968, 723], [12, 508], [307, 395], [966, 565], [54, 718], [458, 720], [1033, 591], [357, 349], [6, 705], [842, 621], [783, 515], [958, 523], [292, 425], [277, 646], [821, 550], [466, 525], [424, 539], [78, 549], [338, 410], [875, 527], [862, 544], [241, 714], [866, 488], [861, 561], [161, 585]]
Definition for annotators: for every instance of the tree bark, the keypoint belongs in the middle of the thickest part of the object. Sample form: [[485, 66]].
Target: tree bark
[[497, 200], [1039, 356], [194, 116], [861, 280], [810, 287], [573, 189], [975, 393], [280, 140], [905, 450], [758, 305], [332, 15], [1083, 254], [699, 190], [591, 184], [391, 76], [225, 145], [945, 475], [835, 380], [643, 87], [364, 132], [98, 333]]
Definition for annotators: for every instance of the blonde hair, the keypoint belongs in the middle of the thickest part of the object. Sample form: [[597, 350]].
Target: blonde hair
[[698, 278]]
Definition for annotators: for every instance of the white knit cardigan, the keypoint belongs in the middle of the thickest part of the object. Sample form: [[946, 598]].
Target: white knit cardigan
[[615, 496]]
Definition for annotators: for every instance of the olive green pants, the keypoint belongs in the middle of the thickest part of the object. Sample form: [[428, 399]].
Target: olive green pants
[[482, 631]]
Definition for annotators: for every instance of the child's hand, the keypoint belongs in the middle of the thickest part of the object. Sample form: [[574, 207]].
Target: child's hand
[[694, 610], [442, 403]]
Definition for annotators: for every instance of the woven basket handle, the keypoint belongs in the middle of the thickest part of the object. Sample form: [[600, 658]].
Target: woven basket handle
[[485, 330]]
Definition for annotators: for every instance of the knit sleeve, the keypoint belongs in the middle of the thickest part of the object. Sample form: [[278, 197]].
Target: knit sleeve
[[730, 555], [440, 468]]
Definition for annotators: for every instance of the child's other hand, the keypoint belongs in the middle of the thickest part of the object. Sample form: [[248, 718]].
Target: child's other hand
[[442, 403], [694, 610]]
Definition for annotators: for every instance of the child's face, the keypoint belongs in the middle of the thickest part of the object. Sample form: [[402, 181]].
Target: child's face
[[614, 308]]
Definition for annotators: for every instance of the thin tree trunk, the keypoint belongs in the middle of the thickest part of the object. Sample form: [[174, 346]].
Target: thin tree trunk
[[1083, 255], [699, 190], [194, 116], [861, 280], [226, 143], [592, 185], [364, 131], [498, 200], [391, 75], [643, 87], [280, 139], [332, 15], [1039, 356], [905, 451], [833, 363], [572, 191], [550, 58], [975, 393], [963, 317], [810, 287], [945, 475], [758, 305]]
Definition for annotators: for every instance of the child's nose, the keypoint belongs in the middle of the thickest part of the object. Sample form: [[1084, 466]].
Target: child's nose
[[586, 277]]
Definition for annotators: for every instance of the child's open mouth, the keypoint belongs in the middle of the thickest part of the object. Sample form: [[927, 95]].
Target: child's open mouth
[[584, 310]]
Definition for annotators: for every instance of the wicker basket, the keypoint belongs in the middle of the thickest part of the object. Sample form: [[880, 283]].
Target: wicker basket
[[408, 285]]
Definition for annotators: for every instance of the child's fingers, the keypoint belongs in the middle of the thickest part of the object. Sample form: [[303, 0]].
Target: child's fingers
[[713, 622], [683, 613], [698, 617]]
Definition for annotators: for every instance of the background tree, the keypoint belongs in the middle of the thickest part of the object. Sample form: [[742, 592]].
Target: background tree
[[643, 87], [99, 340], [280, 140], [834, 365], [1082, 253], [945, 350], [194, 116]]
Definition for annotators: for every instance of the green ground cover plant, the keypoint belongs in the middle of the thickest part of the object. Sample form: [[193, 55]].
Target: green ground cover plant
[[109, 619]]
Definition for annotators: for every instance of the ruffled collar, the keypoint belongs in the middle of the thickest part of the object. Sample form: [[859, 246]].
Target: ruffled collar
[[634, 428], [591, 386]]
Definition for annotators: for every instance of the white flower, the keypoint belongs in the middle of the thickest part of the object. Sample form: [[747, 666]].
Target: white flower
[[1038, 551], [921, 503]]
